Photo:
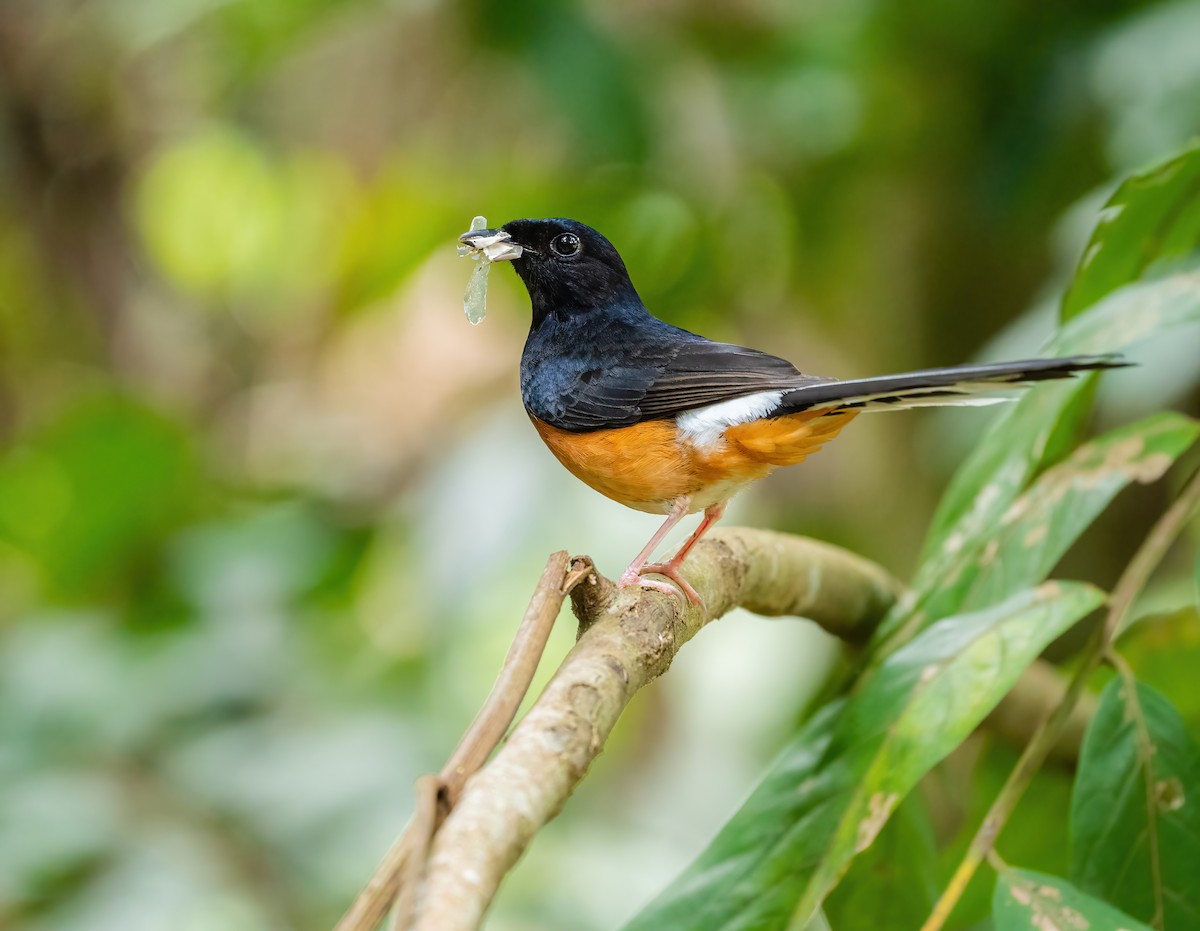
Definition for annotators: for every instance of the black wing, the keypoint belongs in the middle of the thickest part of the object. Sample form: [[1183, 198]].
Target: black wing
[[661, 380], [708, 373]]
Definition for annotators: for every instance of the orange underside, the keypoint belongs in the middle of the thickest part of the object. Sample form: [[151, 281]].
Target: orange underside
[[647, 467]]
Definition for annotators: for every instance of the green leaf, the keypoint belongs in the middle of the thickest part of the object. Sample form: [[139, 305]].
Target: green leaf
[[221, 217], [967, 785], [1135, 812], [85, 497], [1026, 900], [1163, 650], [1027, 539], [893, 884], [833, 788], [746, 873], [1152, 216], [1133, 313], [1014, 449], [1039, 527], [818, 923], [992, 476]]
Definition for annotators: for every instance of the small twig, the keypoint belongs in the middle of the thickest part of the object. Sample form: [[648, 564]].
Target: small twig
[[509, 691], [437, 795], [423, 825], [381, 889], [1146, 757], [1132, 581]]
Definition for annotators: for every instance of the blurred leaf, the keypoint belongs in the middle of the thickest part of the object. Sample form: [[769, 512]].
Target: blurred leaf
[[1164, 651], [401, 205], [1027, 900], [829, 795], [582, 71], [256, 35], [1139, 762], [661, 229], [222, 218], [210, 210], [83, 496], [893, 884], [819, 922], [1153, 215]]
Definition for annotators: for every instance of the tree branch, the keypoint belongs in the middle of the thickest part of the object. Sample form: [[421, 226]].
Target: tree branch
[[397, 878], [446, 879], [627, 640]]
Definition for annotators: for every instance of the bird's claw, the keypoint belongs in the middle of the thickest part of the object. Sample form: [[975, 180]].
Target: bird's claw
[[671, 571]]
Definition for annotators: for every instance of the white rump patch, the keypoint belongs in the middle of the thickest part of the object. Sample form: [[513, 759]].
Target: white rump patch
[[705, 426]]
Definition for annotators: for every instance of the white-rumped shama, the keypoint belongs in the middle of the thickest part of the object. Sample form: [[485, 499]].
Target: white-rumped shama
[[668, 422]]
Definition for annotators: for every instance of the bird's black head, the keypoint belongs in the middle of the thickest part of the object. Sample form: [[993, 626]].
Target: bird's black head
[[567, 267]]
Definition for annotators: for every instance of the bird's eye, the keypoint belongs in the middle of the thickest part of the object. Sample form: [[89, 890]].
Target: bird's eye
[[566, 244]]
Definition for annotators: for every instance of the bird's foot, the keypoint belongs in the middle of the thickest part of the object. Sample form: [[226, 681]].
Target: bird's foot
[[668, 569]]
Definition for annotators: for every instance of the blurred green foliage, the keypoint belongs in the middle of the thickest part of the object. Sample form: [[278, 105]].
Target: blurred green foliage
[[269, 510]]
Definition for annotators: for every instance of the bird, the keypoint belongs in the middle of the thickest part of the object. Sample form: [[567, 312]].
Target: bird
[[669, 422]]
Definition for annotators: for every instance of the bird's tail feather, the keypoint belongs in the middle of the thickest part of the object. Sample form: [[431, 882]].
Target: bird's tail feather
[[960, 385]]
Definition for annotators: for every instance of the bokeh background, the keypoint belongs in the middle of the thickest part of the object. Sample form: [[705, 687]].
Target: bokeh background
[[269, 506]]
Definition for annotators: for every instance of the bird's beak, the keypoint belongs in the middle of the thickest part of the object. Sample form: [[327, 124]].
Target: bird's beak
[[496, 245]]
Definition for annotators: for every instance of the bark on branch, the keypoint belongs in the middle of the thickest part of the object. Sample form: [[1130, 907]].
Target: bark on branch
[[627, 640], [472, 824]]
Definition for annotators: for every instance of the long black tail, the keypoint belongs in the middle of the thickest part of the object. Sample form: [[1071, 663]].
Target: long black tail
[[962, 384]]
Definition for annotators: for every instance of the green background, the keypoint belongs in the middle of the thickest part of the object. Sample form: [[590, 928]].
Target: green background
[[269, 507]]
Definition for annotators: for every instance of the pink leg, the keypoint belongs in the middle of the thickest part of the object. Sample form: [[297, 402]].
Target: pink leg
[[670, 569], [631, 575]]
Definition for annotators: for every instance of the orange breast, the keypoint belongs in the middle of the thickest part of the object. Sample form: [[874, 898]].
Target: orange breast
[[650, 465]]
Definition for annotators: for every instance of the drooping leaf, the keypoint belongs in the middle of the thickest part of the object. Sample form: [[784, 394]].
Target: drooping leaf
[[833, 788], [1012, 451], [1028, 538], [998, 470], [1133, 313], [1135, 811], [1042, 523], [1151, 216], [993, 475], [1029, 901]]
